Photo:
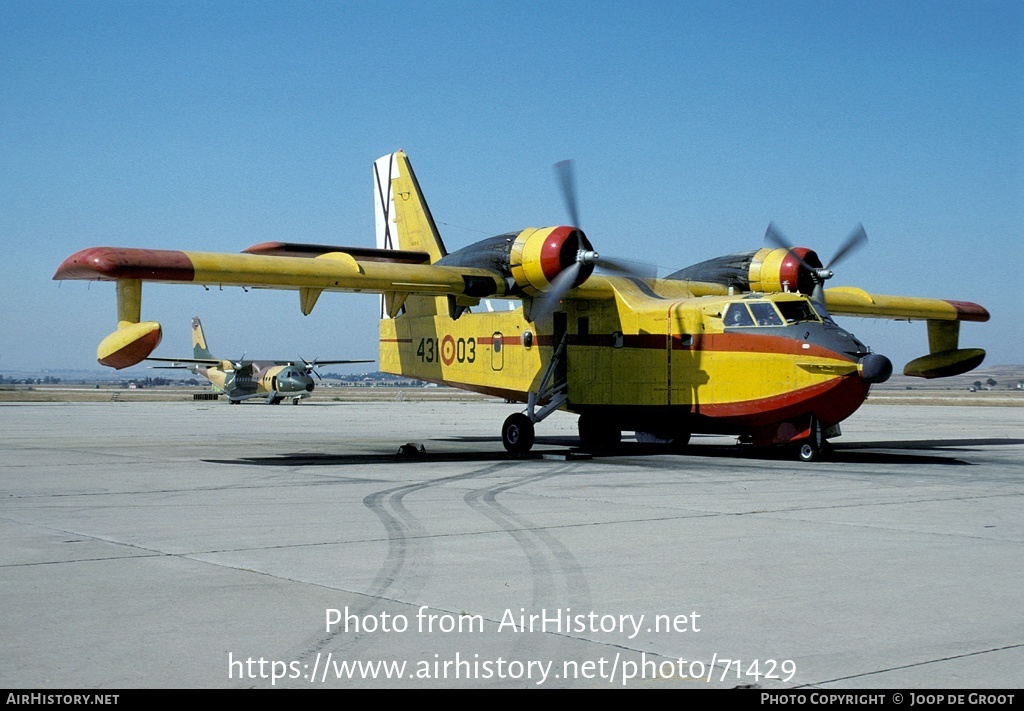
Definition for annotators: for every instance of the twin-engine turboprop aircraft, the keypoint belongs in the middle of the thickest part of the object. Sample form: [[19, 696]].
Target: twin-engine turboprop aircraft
[[743, 344], [270, 380]]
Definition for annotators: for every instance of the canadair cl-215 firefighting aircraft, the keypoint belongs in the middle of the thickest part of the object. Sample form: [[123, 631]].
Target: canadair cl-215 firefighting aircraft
[[743, 344], [271, 380]]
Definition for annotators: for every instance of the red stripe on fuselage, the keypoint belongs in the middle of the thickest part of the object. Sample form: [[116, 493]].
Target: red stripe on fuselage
[[713, 342], [718, 342]]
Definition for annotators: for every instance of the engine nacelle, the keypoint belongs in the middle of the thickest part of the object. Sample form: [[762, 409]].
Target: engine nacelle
[[773, 270], [768, 270], [538, 256], [530, 260]]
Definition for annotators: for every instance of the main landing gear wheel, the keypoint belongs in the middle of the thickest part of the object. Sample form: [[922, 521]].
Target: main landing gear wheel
[[517, 433], [671, 440], [597, 434]]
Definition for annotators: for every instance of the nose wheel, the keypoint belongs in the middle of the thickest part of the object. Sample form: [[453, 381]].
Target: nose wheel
[[809, 452], [813, 448]]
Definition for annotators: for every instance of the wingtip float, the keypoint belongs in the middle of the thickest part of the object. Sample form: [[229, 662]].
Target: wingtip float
[[129, 345]]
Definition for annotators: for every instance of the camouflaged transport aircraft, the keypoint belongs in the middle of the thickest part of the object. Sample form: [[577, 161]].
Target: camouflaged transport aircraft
[[271, 380]]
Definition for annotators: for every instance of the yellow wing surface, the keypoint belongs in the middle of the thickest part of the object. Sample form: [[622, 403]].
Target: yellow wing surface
[[416, 275], [945, 357], [377, 271]]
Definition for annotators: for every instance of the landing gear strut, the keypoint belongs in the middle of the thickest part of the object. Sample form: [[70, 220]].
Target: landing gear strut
[[812, 448], [517, 433]]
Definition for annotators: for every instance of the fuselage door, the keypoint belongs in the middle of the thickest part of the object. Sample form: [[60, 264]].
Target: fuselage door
[[689, 382], [497, 351]]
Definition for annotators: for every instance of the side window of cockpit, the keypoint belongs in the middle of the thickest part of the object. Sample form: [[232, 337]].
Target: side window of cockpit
[[796, 311], [737, 315], [765, 314]]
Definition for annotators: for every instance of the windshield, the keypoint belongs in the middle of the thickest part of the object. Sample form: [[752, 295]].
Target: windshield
[[796, 311], [765, 314], [737, 315]]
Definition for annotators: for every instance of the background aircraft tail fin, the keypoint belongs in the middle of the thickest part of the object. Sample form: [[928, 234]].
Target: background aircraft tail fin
[[199, 349], [404, 222]]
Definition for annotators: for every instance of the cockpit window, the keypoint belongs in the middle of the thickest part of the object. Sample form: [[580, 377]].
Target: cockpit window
[[796, 311], [822, 312], [737, 315], [765, 314]]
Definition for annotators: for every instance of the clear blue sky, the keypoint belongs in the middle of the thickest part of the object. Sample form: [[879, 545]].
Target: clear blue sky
[[214, 126]]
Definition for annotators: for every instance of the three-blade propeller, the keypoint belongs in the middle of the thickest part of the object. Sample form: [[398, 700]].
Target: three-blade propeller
[[819, 275], [545, 305]]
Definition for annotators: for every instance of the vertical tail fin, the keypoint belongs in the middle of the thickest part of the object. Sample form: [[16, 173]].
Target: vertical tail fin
[[403, 221], [199, 349]]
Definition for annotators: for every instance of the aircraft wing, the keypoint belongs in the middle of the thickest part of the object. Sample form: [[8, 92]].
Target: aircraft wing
[[190, 361], [308, 269], [851, 301], [945, 357], [295, 249], [312, 269], [331, 271]]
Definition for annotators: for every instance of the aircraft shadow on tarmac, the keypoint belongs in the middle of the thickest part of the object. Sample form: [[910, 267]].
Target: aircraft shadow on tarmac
[[927, 451]]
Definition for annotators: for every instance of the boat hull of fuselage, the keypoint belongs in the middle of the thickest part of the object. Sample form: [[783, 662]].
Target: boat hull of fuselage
[[766, 387]]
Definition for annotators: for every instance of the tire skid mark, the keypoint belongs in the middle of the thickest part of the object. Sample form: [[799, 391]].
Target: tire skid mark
[[409, 559], [557, 580]]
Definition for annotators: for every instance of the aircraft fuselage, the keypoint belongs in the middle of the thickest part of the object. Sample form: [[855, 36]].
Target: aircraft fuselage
[[643, 362], [254, 379]]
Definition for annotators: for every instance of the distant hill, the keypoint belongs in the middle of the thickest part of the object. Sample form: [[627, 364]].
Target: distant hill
[[1006, 377]]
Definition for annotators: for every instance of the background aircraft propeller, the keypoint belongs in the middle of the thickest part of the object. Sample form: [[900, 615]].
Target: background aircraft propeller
[[311, 367]]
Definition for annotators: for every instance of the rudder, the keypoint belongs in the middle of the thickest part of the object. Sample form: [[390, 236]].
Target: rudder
[[199, 348], [404, 223]]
